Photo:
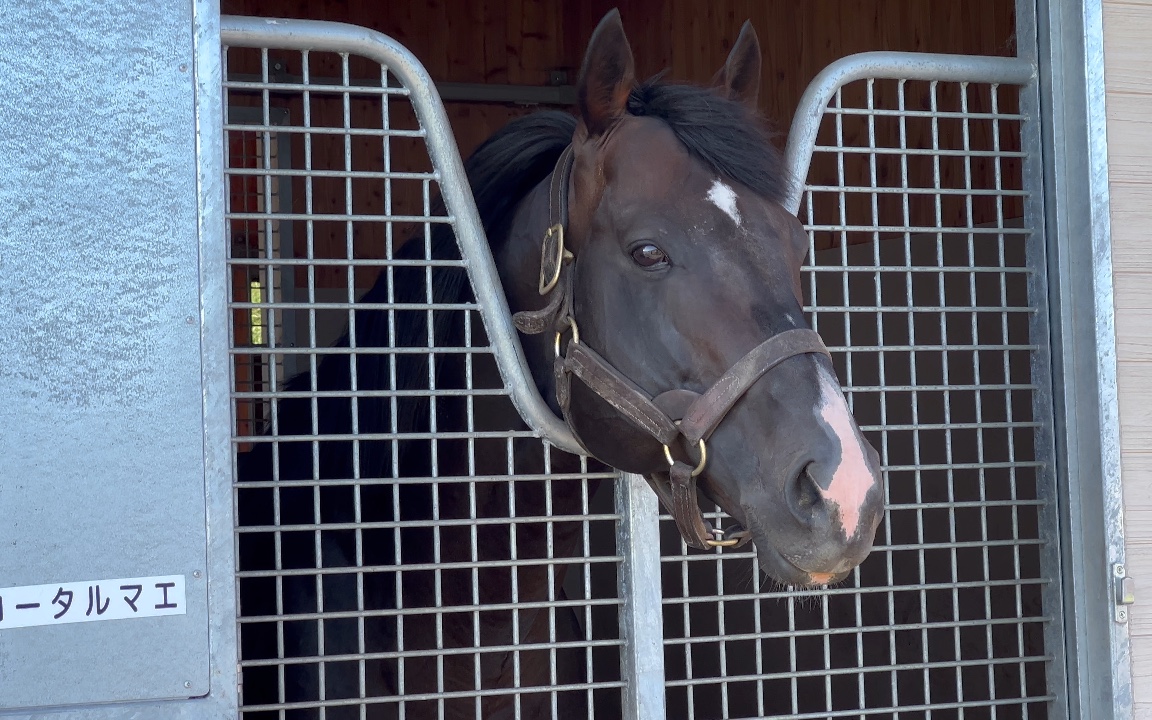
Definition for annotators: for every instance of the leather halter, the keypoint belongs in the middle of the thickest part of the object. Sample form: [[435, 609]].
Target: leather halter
[[668, 417]]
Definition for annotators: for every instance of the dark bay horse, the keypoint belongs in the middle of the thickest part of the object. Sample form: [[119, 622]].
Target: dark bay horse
[[662, 318]]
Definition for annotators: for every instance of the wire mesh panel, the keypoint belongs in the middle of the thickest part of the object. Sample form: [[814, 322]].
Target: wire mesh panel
[[406, 549], [926, 281]]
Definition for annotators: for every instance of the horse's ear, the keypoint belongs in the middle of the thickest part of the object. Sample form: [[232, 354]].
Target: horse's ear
[[740, 76], [606, 76]]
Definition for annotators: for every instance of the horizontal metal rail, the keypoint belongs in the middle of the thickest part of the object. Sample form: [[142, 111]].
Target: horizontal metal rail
[[421, 611], [893, 667], [849, 590], [425, 480], [433, 652], [441, 695], [701, 639], [437, 523], [919, 707]]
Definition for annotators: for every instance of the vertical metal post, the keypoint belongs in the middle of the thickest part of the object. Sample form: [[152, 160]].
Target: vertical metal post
[[221, 568], [641, 617], [1069, 56], [1051, 565]]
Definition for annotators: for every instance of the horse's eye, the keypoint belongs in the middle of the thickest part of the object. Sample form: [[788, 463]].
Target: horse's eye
[[649, 255]]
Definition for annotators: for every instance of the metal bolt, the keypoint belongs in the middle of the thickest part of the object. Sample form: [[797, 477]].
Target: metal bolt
[[183, 68], [196, 574], [1118, 570], [190, 320], [188, 683], [1122, 615]]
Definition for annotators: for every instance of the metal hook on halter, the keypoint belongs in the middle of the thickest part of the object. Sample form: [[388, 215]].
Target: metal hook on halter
[[560, 334]]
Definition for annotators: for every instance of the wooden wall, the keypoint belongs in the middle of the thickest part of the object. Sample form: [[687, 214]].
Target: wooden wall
[[1127, 27], [520, 41]]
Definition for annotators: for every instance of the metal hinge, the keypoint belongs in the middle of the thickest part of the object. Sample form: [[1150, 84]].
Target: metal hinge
[[1125, 592]]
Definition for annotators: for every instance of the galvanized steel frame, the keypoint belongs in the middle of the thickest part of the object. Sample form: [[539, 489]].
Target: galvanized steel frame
[[641, 620], [1065, 101], [1065, 39], [447, 172], [1098, 649], [962, 70], [1061, 60], [641, 617], [887, 66], [224, 698], [339, 37]]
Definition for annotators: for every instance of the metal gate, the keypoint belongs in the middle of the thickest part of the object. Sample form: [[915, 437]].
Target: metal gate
[[399, 567], [393, 562], [926, 277]]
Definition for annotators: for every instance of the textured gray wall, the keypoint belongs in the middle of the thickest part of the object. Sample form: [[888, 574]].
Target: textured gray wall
[[101, 404]]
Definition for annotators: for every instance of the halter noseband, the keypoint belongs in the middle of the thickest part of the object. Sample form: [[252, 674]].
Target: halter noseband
[[667, 417]]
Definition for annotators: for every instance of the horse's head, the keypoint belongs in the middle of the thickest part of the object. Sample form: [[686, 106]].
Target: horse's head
[[684, 262]]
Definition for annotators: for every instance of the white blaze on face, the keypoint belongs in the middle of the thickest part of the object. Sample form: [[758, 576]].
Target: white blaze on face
[[724, 197], [851, 480]]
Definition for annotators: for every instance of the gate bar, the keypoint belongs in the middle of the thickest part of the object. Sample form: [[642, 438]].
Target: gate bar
[[641, 616], [888, 66], [1068, 44], [1057, 637]]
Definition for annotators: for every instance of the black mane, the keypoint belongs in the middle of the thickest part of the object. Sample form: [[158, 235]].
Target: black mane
[[724, 134], [512, 162]]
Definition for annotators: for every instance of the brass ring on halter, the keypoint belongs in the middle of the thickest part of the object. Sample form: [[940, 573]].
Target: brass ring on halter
[[699, 467], [559, 334], [721, 543]]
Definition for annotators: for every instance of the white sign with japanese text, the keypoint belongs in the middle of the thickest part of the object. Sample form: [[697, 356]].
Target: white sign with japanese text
[[60, 603]]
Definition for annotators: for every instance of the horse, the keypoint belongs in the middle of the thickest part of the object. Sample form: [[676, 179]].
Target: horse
[[654, 275]]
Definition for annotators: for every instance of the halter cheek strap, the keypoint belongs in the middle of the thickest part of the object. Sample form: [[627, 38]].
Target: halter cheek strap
[[671, 418]]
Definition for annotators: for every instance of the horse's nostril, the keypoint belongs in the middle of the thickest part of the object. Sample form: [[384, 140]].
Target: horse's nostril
[[807, 492]]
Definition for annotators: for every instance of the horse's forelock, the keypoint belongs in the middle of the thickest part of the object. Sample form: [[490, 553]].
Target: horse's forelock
[[726, 135]]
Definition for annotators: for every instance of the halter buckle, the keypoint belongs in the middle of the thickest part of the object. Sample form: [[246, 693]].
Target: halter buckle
[[552, 257]]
